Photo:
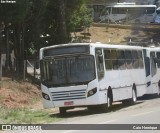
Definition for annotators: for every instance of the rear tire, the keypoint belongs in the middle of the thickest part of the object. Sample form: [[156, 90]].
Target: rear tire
[[109, 100], [133, 100], [158, 89], [134, 96]]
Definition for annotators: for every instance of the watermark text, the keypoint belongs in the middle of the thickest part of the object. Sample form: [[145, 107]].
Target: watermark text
[[7, 1]]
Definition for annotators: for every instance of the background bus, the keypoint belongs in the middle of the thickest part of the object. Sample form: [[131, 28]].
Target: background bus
[[96, 11], [131, 13], [91, 75]]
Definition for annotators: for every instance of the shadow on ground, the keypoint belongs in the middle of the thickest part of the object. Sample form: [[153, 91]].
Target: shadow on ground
[[85, 112]]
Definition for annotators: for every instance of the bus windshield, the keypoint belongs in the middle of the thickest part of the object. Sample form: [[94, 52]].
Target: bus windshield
[[63, 71]]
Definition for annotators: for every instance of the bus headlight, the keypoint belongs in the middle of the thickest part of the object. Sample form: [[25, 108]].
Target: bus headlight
[[92, 92], [45, 96]]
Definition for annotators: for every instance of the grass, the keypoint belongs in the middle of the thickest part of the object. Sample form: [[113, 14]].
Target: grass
[[26, 116]]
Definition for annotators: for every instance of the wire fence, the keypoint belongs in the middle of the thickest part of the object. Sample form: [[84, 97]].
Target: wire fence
[[33, 68], [28, 68]]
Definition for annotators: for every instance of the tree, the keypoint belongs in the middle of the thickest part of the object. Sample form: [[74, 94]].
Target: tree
[[38, 23], [13, 16], [61, 18]]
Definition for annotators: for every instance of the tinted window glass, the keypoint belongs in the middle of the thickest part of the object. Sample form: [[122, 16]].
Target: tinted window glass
[[158, 56], [128, 54], [153, 64], [140, 58], [128, 57], [107, 54]]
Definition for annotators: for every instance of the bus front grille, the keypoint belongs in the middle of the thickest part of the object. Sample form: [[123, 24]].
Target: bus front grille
[[68, 95]]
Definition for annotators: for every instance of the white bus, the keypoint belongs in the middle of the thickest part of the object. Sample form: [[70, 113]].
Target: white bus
[[92, 74], [131, 13], [153, 70]]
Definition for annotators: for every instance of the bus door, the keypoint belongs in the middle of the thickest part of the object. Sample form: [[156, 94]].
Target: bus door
[[158, 63], [147, 70], [154, 76], [100, 69]]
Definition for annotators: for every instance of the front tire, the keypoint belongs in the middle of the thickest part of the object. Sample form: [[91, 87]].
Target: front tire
[[106, 107], [133, 100]]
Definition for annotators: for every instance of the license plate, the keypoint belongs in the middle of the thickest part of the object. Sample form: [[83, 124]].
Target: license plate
[[68, 103]]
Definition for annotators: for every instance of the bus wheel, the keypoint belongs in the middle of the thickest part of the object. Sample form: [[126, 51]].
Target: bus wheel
[[133, 100], [62, 110], [107, 106], [134, 96], [158, 89], [109, 99]]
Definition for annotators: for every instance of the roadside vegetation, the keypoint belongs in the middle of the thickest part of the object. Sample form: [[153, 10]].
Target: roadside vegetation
[[20, 102], [26, 116]]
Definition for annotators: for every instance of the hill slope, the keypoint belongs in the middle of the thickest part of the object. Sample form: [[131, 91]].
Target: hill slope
[[121, 34]]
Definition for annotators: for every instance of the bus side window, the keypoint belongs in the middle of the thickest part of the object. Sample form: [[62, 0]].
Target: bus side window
[[146, 62], [100, 63], [158, 57], [128, 57], [121, 59], [114, 59], [135, 59], [140, 59], [108, 61], [150, 10]]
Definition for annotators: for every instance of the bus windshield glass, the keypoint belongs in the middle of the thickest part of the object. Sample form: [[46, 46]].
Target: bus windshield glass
[[63, 71]]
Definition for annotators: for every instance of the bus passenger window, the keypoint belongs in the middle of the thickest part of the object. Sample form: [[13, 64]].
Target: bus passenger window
[[153, 64], [114, 59], [135, 59], [158, 57], [121, 59], [128, 57], [108, 61], [140, 58], [150, 10]]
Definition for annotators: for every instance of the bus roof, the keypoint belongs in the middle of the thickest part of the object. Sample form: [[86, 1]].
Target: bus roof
[[96, 45], [126, 3]]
